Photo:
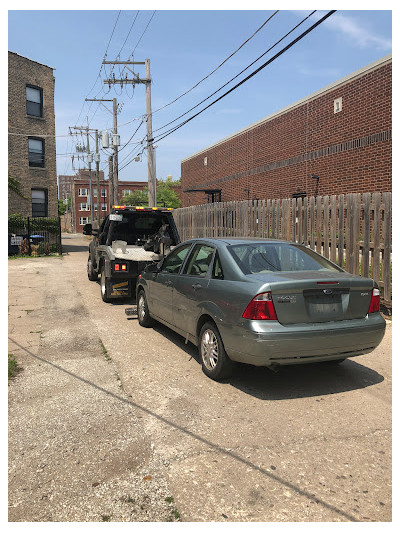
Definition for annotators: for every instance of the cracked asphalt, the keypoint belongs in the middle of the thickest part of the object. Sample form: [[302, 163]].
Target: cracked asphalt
[[103, 404]]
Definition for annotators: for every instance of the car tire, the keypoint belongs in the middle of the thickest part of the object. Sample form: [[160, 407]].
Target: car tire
[[144, 317], [215, 363], [92, 274], [104, 287]]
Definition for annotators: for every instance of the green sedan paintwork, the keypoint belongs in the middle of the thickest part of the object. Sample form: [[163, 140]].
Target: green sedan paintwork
[[322, 311]]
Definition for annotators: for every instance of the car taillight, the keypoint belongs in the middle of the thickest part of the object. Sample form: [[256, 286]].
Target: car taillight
[[375, 302], [261, 307]]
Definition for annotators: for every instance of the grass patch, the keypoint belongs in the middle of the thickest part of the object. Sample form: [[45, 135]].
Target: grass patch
[[12, 257], [13, 367], [106, 518], [105, 351], [169, 499], [174, 515]]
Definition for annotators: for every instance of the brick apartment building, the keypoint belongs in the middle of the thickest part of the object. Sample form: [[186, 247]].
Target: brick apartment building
[[81, 198], [342, 134], [31, 138]]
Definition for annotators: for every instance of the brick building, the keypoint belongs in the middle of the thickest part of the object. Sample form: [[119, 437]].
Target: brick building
[[65, 182], [81, 198], [31, 139], [341, 134]]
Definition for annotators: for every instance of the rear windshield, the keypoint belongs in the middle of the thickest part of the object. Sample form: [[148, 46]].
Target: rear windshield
[[141, 226], [259, 258]]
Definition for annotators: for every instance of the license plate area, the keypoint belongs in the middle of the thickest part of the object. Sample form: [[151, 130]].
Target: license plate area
[[326, 304]]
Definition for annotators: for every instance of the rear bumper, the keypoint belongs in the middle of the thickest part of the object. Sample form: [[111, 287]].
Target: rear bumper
[[261, 344]]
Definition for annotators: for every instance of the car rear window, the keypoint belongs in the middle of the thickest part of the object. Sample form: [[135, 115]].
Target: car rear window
[[259, 258]]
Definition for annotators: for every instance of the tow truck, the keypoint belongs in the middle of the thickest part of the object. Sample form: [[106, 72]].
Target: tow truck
[[129, 238]]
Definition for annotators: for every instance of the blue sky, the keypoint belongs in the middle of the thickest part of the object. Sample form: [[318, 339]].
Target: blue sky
[[183, 47]]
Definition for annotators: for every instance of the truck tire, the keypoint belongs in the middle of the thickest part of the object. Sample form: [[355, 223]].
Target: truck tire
[[92, 274], [104, 287]]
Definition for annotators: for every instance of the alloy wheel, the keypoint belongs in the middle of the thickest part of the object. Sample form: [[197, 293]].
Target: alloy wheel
[[209, 349]]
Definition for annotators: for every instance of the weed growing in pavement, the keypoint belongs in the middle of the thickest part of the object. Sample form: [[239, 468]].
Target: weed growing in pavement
[[105, 352], [29, 311], [13, 367], [169, 499], [105, 518]]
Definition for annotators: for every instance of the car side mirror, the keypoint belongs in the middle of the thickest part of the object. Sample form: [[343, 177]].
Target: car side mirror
[[87, 229], [153, 268]]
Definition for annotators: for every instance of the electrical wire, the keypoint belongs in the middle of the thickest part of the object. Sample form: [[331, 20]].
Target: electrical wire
[[219, 66], [130, 29], [237, 75], [285, 49], [148, 24], [137, 129]]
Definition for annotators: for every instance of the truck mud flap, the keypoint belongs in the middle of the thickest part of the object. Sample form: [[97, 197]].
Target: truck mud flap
[[120, 288]]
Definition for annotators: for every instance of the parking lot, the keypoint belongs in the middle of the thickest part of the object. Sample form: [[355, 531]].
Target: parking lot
[[111, 421]]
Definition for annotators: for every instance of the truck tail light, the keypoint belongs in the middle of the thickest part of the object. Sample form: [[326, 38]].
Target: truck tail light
[[375, 301], [120, 266], [261, 307]]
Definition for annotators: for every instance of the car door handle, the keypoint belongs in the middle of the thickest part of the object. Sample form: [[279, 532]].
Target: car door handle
[[168, 283], [196, 286]]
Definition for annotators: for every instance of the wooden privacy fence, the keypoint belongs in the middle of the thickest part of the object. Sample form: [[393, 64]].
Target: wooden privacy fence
[[353, 230]]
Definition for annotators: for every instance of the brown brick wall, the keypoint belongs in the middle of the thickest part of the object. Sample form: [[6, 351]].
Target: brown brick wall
[[351, 150], [23, 71]]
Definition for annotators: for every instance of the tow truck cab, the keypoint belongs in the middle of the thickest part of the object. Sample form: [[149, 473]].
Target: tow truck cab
[[130, 238]]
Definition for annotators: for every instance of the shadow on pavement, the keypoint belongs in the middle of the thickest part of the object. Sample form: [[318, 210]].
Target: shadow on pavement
[[289, 382]]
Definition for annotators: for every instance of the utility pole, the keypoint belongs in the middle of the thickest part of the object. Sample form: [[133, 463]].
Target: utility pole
[[89, 155], [151, 165], [113, 177], [97, 160], [90, 159], [111, 182]]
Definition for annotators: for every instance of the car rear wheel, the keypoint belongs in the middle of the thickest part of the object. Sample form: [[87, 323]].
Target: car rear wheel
[[214, 361], [144, 317]]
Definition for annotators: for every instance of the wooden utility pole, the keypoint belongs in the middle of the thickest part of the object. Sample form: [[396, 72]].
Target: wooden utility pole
[[151, 164], [113, 177], [89, 155], [110, 182], [115, 147], [97, 160]]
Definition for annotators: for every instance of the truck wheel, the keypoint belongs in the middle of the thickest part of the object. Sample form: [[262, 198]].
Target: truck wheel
[[92, 274], [104, 287], [144, 317]]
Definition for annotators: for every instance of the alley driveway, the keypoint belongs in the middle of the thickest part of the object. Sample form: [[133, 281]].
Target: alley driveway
[[125, 414]]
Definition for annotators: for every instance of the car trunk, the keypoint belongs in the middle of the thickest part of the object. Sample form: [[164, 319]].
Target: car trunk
[[315, 297]]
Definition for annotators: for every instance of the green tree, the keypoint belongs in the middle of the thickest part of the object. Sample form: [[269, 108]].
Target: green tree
[[166, 195], [62, 207]]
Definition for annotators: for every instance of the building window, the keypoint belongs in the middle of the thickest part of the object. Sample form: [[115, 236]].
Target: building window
[[104, 207], [84, 207], [83, 220], [103, 193], [338, 103], [95, 207], [39, 202], [126, 192], [36, 152], [94, 193], [83, 192], [34, 101]]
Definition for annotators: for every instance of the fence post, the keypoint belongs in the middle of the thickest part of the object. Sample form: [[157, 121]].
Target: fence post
[[59, 234], [29, 236]]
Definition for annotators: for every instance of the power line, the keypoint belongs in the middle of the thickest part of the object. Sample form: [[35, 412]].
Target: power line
[[219, 66], [151, 18], [285, 49], [129, 32], [237, 75]]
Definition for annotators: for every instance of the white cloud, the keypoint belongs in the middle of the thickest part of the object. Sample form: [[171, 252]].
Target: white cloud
[[360, 36]]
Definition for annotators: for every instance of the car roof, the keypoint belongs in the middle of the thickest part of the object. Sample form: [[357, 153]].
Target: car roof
[[240, 240]]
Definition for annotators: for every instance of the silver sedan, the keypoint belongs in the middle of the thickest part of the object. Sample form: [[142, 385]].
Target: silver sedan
[[260, 302]]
